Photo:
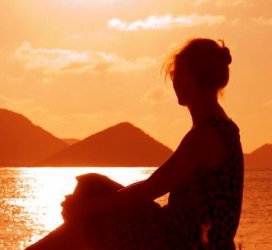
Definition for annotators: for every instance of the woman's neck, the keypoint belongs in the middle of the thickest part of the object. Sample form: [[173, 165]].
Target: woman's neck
[[204, 109]]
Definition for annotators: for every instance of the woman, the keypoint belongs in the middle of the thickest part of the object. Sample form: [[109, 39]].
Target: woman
[[204, 175]]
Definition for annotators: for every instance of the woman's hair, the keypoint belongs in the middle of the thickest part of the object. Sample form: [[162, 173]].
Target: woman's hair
[[206, 59]]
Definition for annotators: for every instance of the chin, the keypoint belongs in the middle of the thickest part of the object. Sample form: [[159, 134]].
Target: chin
[[182, 102]]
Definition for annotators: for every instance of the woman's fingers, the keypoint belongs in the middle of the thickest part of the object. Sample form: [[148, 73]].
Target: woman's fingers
[[68, 199], [72, 208]]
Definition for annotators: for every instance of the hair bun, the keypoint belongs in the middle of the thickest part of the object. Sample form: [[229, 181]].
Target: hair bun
[[226, 55]]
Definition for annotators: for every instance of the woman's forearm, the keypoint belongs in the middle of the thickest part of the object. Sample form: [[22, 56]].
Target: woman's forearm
[[127, 197]]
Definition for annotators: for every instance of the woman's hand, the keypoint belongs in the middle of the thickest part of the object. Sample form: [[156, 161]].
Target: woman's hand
[[72, 208]]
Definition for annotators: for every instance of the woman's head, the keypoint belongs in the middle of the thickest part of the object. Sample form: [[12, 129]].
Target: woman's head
[[203, 60]]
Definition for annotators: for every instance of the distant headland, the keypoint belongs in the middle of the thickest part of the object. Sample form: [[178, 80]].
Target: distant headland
[[119, 145], [22, 143], [260, 158], [25, 144]]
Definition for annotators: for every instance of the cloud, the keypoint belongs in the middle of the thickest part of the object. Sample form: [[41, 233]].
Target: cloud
[[14, 79], [75, 37], [156, 95], [47, 80], [14, 104], [139, 64], [71, 61], [3, 100], [224, 3], [235, 22], [263, 21], [199, 2], [166, 22], [49, 59], [25, 106], [229, 2], [268, 103], [84, 124]]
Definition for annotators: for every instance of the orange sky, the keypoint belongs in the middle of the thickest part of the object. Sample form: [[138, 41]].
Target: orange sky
[[75, 67]]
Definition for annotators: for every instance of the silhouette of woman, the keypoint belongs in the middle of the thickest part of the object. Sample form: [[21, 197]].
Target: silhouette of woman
[[204, 175]]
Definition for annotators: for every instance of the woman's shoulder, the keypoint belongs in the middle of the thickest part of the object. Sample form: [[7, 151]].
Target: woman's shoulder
[[208, 142], [223, 124], [215, 127], [211, 139]]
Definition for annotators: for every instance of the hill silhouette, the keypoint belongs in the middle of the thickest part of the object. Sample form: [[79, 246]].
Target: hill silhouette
[[261, 158], [70, 141], [22, 143], [119, 145]]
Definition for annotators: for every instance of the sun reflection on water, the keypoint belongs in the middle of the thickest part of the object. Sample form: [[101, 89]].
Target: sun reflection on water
[[30, 203], [43, 189]]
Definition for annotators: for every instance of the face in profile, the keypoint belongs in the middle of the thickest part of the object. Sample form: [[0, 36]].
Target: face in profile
[[184, 85]]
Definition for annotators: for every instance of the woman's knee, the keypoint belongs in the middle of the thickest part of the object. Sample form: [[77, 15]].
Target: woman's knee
[[94, 185]]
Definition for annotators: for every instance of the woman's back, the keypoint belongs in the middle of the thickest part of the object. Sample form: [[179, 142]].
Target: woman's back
[[210, 198]]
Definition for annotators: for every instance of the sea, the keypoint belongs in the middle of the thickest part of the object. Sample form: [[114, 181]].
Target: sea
[[30, 203]]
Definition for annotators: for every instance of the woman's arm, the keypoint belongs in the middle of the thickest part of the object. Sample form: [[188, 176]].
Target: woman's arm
[[201, 147], [194, 150], [130, 196], [164, 179]]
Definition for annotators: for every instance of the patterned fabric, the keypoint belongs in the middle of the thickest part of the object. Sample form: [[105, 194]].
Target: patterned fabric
[[205, 208]]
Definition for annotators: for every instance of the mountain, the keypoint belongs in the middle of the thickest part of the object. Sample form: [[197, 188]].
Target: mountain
[[261, 158], [119, 145], [70, 141], [22, 143]]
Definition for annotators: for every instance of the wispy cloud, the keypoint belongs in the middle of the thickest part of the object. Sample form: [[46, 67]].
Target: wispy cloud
[[12, 103], [156, 95], [268, 103], [3, 100], [71, 61], [51, 60], [84, 124], [166, 22], [230, 2], [24, 106], [199, 2], [14, 79], [223, 3], [263, 21], [235, 22], [142, 63]]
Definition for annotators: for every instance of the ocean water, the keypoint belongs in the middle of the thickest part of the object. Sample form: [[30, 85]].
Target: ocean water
[[30, 203]]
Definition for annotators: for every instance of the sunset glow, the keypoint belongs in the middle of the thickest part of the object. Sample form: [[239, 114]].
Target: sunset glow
[[75, 67]]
